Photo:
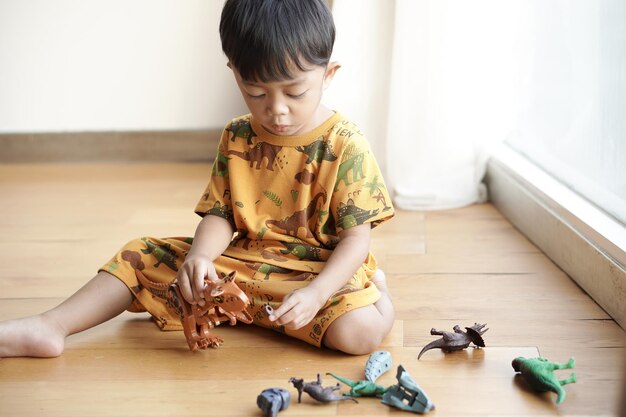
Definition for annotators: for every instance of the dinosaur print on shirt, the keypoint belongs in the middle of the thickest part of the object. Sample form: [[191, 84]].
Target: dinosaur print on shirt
[[291, 196]]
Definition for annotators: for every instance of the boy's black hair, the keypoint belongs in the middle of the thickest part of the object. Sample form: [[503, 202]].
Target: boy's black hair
[[263, 38]]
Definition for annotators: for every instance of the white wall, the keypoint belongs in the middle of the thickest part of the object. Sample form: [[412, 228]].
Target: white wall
[[363, 48], [98, 65]]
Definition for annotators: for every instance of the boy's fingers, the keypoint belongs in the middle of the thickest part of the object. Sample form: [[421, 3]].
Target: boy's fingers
[[198, 284], [285, 320], [185, 288], [212, 276], [290, 318], [285, 307]]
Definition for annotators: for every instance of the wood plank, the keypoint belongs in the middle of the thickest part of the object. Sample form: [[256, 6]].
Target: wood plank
[[481, 297], [503, 332], [151, 398], [469, 263]]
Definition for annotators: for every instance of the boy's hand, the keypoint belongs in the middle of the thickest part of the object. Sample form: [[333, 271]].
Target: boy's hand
[[298, 308], [191, 275]]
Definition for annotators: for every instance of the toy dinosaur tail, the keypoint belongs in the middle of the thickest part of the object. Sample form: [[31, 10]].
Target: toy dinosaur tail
[[439, 343], [343, 398], [560, 395], [342, 379]]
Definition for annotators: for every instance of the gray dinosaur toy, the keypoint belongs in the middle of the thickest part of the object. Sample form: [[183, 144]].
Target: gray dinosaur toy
[[317, 391], [456, 341]]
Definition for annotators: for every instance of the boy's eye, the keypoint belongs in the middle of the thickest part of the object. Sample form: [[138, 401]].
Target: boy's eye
[[296, 96], [258, 96]]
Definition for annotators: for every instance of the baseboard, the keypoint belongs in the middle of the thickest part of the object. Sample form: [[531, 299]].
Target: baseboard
[[584, 253], [137, 146]]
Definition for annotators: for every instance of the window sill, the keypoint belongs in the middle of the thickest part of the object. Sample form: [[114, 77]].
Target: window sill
[[587, 244]]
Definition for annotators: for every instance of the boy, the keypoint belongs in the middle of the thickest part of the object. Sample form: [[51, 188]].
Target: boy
[[294, 181]]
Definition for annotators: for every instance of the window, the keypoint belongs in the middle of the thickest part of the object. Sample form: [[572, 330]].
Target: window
[[573, 122], [561, 176]]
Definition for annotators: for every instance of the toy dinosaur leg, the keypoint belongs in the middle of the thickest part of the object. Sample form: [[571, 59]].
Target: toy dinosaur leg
[[214, 341], [571, 363], [360, 388], [560, 395], [571, 379], [190, 328]]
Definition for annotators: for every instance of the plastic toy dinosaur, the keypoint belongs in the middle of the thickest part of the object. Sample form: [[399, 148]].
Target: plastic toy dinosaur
[[407, 395], [377, 364], [224, 302], [360, 388], [317, 391], [539, 374], [458, 340], [273, 400]]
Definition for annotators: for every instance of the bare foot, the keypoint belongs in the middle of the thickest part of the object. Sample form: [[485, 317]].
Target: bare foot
[[380, 281], [37, 336], [384, 303]]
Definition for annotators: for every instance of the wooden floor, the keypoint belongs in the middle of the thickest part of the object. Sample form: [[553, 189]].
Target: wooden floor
[[59, 223]]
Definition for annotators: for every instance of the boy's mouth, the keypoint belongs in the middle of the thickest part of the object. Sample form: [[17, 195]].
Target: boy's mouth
[[280, 128]]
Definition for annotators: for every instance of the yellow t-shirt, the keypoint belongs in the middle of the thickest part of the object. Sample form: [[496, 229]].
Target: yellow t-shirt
[[288, 197]]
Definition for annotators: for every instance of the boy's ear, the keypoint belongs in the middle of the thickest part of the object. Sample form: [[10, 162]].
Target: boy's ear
[[331, 70]]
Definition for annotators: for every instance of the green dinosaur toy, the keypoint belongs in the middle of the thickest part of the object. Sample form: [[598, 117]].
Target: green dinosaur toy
[[361, 388], [539, 374]]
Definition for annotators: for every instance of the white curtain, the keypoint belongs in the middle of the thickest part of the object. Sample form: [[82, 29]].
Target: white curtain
[[433, 84]]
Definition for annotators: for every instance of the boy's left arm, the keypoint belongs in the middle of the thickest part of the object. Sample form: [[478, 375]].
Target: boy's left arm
[[299, 307]]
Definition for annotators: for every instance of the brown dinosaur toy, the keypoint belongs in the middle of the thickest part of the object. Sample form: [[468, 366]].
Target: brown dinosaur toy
[[456, 341], [317, 391], [224, 302]]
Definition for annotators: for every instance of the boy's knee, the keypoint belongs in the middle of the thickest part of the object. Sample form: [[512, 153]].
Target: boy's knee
[[364, 346], [354, 334]]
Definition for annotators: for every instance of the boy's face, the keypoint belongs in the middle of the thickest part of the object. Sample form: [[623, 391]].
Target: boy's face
[[289, 107]]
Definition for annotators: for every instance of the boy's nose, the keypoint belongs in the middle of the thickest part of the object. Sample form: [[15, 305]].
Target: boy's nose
[[277, 108]]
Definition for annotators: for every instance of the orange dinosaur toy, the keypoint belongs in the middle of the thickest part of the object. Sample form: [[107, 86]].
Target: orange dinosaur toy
[[224, 302]]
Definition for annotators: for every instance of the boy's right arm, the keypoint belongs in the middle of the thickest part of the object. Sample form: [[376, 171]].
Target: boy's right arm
[[212, 237]]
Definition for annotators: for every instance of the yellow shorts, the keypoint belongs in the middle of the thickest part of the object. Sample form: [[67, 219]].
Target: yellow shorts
[[264, 284]]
